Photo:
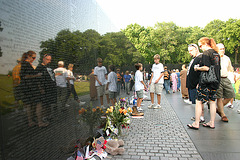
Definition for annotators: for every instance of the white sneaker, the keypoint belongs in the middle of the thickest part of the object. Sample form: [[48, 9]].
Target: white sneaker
[[139, 109], [157, 106], [81, 103], [187, 101], [238, 111], [150, 106]]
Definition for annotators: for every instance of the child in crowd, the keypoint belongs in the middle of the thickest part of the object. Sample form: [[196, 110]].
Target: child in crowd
[[112, 84], [139, 85], [127, 79], [100, 73], [156, 82]]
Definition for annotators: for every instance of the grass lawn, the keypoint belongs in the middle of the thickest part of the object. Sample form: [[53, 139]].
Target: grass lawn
[[82, 88], [7, 97]]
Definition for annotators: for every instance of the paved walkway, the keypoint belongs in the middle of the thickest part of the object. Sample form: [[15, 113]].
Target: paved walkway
[[162, 134], [159, 135]]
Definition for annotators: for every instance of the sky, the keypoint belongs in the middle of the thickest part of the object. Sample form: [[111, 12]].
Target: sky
[[183, 13]]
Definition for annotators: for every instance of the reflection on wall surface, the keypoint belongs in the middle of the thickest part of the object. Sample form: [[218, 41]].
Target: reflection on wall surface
[[24, 25]]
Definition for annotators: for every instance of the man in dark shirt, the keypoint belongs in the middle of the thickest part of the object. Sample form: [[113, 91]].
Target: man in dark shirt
[[193, 76], [47, 83]]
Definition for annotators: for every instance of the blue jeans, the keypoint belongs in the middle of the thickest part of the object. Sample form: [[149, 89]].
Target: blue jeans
[[167, 85], [119, 83], [192, 93]]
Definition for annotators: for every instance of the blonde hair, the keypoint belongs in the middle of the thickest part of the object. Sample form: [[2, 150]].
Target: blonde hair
[[127, 72], [211, 42], [156, 56], [70, 66]]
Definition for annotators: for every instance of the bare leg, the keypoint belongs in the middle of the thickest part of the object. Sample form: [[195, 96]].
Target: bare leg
[[152, 97], [220, 104], [202, 110], [101, 100], [232, 101], [30, 115], [212, 113], [226, 100], [112, 102], [159, 98], [139, 101], [39, 115], [108, 100], [198, 112]]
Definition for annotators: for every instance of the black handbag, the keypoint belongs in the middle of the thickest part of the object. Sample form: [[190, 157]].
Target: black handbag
[[208, 77]]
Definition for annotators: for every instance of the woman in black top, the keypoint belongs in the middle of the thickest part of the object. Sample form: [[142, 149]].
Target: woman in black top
[[29, 88], [207, 92]]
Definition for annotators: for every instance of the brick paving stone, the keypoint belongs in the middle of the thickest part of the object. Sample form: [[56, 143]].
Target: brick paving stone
[[159, 135]]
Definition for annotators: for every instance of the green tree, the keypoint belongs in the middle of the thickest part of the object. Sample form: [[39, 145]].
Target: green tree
[[213, 30], [231, 38]]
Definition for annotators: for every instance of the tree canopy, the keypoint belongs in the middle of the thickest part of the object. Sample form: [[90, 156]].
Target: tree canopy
[[136, 43]]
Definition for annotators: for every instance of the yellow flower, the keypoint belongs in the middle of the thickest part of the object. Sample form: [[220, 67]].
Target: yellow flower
[[110, 110], [102, 112], [94, 109], [107, 112], [130, 109], [120, 110], [124, 111], [111, 107]]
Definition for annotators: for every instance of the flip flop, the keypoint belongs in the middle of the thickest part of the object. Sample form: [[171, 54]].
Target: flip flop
[[192, 127], [207, 125]]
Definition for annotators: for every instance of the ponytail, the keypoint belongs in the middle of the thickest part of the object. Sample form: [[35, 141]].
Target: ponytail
[[211, 42], [213, 45]]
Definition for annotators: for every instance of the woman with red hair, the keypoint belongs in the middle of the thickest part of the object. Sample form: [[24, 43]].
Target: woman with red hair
[[206, 92]]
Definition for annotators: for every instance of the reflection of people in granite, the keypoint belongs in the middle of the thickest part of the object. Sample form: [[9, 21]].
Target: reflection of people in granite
[[61, 76], [93, 90], [71, 88], [16, 82], [47, 85], [29, 88]]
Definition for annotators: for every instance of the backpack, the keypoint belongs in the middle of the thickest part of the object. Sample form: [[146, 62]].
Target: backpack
[[166, 75], [119, 77]]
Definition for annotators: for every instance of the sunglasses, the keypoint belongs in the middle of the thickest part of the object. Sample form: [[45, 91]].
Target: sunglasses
[[192, 45], [33, 57]]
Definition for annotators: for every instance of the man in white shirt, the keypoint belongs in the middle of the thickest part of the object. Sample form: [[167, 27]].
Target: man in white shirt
[[225, 89], [100, 73], [156, 82], [61, 81]]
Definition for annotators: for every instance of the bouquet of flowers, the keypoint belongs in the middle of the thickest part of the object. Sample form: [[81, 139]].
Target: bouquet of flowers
[[90, 115], [117, 117]]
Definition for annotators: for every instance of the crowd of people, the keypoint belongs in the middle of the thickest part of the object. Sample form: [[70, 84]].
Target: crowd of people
[[42, 89]]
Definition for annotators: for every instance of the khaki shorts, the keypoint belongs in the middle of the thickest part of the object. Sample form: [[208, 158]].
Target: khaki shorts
[[140, 93], [112, 95], [225, 89], [156, 88], [100, 90], [106, 91]]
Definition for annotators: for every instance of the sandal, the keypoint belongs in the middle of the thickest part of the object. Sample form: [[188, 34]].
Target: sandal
[[192, 127], [207, 125]]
